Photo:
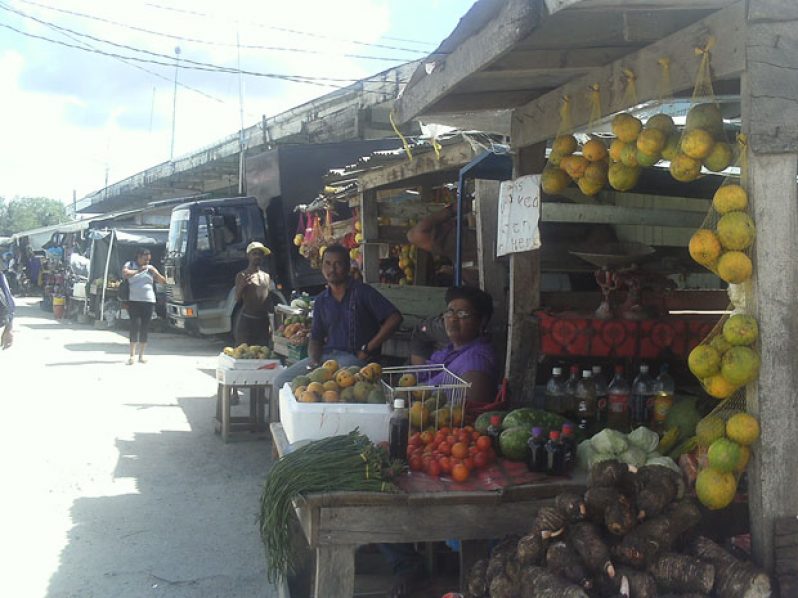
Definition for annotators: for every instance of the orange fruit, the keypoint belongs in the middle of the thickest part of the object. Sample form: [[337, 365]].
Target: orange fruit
[[564, 145], [704, 247], [736, 231], [615, 150], [697, 144], [651, 141], [684, 168], [575, 166], [460, 473], [661, 121], [554, 180], [735, 267], [719, 158], [626, 127], [594, 150], [730, 198], [459, 450]]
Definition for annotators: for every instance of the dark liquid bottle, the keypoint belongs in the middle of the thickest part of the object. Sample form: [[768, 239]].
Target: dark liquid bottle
[[569, 446], [494, 431], [556, 454], [398, 431], [537, 457]]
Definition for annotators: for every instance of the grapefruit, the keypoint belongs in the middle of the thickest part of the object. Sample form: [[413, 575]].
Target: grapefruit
[[704, 247], [615, 150], [575, 166], [554, 180], [594, 150], [697, 143], [588, 187], [704, 361], [622, 177], [735, 267], [736, 231], [684, 168], [651, 141], [715, 489], [745, 457], [646, 159], [740, 329], [717, 386], [723, 455], [743, 429], [709, 430], [596, 172], [662, 122], [671, 149], [629, 155], [564, 145], [719, 158], [740, 365], [626, 127], [730, 198], [707, 117]]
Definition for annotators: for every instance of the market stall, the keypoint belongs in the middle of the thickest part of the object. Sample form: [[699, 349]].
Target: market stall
[[698, 72]]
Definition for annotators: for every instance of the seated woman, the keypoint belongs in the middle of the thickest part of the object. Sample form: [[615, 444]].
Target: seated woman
[[469, 354]]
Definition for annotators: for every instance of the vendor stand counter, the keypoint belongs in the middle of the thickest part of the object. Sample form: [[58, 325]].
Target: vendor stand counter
[[336, 523]]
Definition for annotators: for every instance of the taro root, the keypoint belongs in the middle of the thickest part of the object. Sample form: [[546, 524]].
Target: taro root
[[614, 474], [572, 505], [657, 487], [502, 586], [531, 548], [598, 499], [619, 517], [550, 521], [586, 539], [476, 582], [562, 560], [654, 536], [537, 582], [733, 578], [681, 573], [512, 569]]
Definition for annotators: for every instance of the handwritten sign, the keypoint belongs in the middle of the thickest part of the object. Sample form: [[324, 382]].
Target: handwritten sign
[[519, 214]]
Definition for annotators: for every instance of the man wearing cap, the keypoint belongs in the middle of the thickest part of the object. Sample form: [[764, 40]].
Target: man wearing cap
[[252, 290]]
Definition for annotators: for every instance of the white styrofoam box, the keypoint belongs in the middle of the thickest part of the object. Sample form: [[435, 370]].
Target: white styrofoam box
[[314, 421], [228, 363], [226, 376]]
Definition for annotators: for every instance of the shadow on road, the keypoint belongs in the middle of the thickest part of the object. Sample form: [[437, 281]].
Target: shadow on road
[[154, 347], [188, 530], [89, 362]]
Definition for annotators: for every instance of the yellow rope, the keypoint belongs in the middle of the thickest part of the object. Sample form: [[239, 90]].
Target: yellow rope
[[595, 105], [565, 116], [630, 95], [396, 130], [665, 85], [742, 146], [703, 82]]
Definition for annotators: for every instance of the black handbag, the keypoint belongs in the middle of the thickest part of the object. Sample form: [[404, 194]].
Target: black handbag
[[123, 292]]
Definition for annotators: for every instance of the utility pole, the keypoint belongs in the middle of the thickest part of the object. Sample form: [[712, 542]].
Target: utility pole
[[241, 149], [174, 103]]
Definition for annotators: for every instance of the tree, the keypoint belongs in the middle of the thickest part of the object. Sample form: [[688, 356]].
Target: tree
[[25, 213]]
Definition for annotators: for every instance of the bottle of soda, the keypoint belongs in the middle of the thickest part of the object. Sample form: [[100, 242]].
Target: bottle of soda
[[569, 400], [586, 403], [494, 430], [665, 382], [555, 391], [568, 439], [398, 430], [537, 457], [601, 396], [642, 398], [555, 454], [618, 396]]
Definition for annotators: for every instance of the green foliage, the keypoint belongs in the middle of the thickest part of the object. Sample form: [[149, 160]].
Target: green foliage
[[26, 213]]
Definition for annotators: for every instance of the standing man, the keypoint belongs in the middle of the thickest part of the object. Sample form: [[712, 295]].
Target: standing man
[[6, 313], [351, 320], [252, 290]]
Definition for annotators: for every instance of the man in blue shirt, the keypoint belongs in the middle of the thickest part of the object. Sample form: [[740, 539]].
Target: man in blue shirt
[[6, 313], [351, 320]]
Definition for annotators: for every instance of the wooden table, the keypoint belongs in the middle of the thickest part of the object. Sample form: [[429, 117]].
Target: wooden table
[[336, 523]]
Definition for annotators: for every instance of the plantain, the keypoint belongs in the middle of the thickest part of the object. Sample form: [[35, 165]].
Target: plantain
[[687, 446], [668, 440]]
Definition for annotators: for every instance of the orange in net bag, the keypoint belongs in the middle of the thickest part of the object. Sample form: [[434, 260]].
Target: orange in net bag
[[555, 178]]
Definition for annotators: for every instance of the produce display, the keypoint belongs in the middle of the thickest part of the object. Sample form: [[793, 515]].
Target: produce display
[[450, 452], [631, 534], [638, 448], [331, 384], [295, 329], [348, 462], [245, 351]]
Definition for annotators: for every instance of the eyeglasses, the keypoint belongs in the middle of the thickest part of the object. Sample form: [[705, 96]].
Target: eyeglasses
[[460, 314]]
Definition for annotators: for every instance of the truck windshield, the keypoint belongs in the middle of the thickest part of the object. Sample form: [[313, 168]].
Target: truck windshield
[[178, 232]]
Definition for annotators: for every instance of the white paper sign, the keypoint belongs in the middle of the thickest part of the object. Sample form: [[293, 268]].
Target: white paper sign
[[519, 214]]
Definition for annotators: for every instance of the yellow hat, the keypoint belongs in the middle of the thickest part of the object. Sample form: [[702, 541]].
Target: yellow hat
[[258, 246]]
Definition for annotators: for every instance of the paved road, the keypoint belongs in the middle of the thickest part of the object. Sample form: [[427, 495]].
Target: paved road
[[114, 484]]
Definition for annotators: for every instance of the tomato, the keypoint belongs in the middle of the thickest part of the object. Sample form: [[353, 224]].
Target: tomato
[[459, 450], [469, 463], [484, 443], [472, 450], [469, 428], [439, 437], [475, 435], [445, 430], [416, 464], [464, 437], [491, 455], [433, 469], [427, 449], [451, 439], [446, 464], [415, 439], [460, 473], [445, 448], [426, 437], [481, 460]]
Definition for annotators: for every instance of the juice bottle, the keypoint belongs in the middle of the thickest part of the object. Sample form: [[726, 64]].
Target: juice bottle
[[398, 431], [602, 390], [586, 404], [555, 391], [569, 400], [618, 394], [555, 454], [642, 400], [537, 457], [569, 446], [494, 431]]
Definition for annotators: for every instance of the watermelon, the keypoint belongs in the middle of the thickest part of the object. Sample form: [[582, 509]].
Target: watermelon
[[529, 417], [483, 421], [513, 443]]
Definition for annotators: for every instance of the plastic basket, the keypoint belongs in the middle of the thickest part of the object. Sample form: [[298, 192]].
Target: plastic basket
[[425, 383]]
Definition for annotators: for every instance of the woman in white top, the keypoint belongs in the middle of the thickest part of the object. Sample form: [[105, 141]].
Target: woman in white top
[[141, 276]]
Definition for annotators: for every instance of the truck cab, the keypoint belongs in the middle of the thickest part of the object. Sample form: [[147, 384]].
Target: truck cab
[[206, 248]]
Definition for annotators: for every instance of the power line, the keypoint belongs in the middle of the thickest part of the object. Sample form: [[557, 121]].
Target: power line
[[296, 31], [197, 65], [203, 41]]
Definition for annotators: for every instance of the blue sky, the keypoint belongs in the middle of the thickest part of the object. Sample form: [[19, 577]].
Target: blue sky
[[71, 116]]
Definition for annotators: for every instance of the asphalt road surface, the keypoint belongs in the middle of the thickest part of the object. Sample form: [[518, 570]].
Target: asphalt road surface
[[114, 483]]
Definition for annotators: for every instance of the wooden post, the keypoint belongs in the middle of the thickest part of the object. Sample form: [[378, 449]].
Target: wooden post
[[493, 277], [371, 233], [335, 571], [769, 115], [522, 335]]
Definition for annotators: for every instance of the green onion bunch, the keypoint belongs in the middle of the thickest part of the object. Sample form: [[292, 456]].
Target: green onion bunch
[[349, 462]]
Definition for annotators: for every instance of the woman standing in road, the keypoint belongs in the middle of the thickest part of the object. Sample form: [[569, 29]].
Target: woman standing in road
[[141, 276]]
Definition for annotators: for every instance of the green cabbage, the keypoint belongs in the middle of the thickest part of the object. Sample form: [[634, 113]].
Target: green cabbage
[[584, 453], [644, 439], [599, 457], [633, 456], [609, 441], [664, 462]]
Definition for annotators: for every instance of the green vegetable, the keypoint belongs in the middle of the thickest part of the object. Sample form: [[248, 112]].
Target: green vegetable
[[644, 439], [483, 420], [610, 442], [513, 443], [633, 456], [529, 417], [683, 415], [664, 462], [584, 453], [348, 462]]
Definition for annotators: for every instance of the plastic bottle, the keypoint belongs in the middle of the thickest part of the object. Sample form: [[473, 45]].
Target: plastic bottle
[[398, 430], [600, 380], [537, 457], [569, 446], [618, 397], [586, 404], [642, 398], [494, 430], [665, 382], [569, 400], [555, 454], [555, 391]]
